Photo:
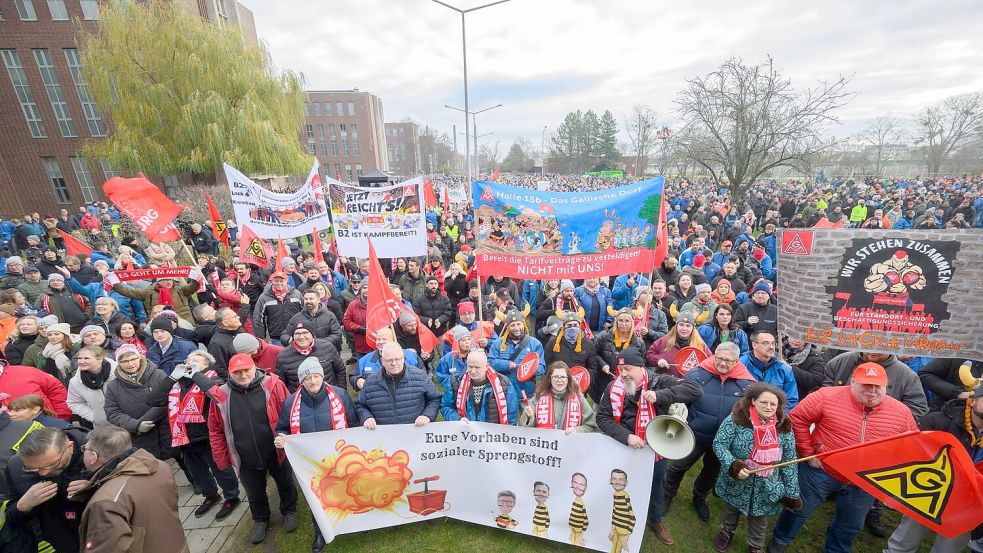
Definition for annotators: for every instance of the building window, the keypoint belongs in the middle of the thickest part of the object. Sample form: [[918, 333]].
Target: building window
[[327, 109], [92, 116], [356, 150], [320, 139], [310, 139], [107, 169], [351, 109], [25, 9], [337, 172], [358, 169], [344, 140], [317, 109], [24, 95], [90, 10], [348, 172], [339, 109], [56, 180], [334, 139], [58, 10], [84, 175], [55, 93], [220, 11], [307, 109]]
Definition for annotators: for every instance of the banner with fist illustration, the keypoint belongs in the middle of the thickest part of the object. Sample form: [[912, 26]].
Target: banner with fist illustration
[[527, 480], [902, 292]]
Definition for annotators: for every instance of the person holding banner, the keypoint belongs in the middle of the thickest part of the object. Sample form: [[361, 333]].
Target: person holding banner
[[166, 291], [832, 418], [628, 404], [559, 403], [481, 394], [507, 352]]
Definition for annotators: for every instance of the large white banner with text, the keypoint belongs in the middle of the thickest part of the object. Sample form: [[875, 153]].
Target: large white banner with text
[[275, 215], [391, 216], [585, 489]]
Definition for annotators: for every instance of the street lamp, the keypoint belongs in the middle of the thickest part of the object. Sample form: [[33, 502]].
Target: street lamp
[[464, 48], [467, 135], [542, 151], [476, 137]]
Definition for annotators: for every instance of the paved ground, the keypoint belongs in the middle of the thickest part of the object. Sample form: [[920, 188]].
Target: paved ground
[[205, 534]]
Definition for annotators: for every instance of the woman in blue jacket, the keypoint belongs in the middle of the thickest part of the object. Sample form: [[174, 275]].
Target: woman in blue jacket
[[723, 328]]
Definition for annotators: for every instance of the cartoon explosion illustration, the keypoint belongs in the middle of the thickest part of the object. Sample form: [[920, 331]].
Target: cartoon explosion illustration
[[353, 481]]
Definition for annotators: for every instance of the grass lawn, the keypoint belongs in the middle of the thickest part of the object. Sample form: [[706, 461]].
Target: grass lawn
[[691, 534]]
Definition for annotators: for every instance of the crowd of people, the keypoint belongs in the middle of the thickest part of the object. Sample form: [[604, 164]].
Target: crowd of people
[[100, 384]]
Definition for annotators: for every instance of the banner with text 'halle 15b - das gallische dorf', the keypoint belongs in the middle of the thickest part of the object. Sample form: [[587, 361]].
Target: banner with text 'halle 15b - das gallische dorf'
[[279, 215], [584, 489], [524, 233], [392, 216]]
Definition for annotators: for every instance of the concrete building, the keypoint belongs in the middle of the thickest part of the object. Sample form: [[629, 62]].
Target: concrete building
[[46, 111], [403, 142], [345, 130]]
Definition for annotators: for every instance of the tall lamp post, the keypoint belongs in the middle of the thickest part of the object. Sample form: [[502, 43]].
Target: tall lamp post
[[464, 43], [468, 135], [542, 151]]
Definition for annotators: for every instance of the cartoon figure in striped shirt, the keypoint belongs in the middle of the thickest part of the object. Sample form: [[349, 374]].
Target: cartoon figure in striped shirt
[[622, 515], [578, 513], [541, 516], [506, 502]]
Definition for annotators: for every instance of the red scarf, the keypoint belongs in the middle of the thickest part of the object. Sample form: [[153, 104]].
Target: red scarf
[[544, 412], [135, 342], [338, 419], [465, 388], [306, 351], [767, 449], [280, 295], [180, 411], [646, 410], [165, 296]]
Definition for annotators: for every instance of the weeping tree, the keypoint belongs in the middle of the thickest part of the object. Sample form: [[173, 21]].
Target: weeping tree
[[185, 95]]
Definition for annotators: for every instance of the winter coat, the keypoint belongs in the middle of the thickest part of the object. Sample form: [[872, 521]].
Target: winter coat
[[398, 400], [604, 299], [266, 357], [31, 290], [315, 411], [434, 308], [354, 322], [323, 321], [587, 356], [902, 382], [494, 286], [130, 308], [220, 347], [180, 296], [224, 409], [941, 377], [669, 390], [175, 354], [133, 507], [624, 295], [808, 366], [450, 365], [127, 406], [17, 347], [658, 351], [775, 372], [718, 399], [272, 316], [289, 360], [411, 287], [711, 336], [503, 351], [609, 353], [372, 362], [19, 380], [69, 307], [87, 403], [950, 418], [487, 410], [767, 315], [755, 495], [253, 287], [111, 327]]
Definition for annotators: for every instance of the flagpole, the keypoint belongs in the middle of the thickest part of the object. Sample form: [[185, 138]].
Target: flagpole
[[480, 301], [840, 450]]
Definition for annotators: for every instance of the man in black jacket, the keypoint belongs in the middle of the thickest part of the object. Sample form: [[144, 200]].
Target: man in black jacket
[[227, 327], [759, 314], [248, 282], [302, 346], [202, 240], [808, 365], [941, 377], [433, 307], [632, 400], [323, 323], [42, 479], [275, 307]]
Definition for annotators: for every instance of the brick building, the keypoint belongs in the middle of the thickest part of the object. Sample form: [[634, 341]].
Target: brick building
[[46, 111], [345, 130], [403, 142]]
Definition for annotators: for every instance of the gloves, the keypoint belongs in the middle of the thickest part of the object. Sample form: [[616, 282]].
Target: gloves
[[791, 503], [194, 274], [679, 410], [180, 371], [144, 427], [736, 467]]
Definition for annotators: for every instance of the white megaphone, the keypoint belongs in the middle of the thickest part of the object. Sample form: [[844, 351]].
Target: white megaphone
[[670, 436]]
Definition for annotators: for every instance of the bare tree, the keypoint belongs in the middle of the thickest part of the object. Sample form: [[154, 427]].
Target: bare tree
[[946, 127], [640, 127], [742, 121], [880, 134]]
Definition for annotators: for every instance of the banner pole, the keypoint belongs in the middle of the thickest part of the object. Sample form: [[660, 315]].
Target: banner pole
[[480, 300], [786, 463]]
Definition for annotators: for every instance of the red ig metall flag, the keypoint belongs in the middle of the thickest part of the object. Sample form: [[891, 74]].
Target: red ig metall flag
[[219, 227], [146, 205]]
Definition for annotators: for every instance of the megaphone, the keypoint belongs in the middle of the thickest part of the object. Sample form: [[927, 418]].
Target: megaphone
[[670, 436]]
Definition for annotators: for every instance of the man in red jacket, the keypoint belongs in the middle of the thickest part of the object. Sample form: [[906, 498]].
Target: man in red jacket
[[241, 426], [354, 320], [18, 381], [843, 416]]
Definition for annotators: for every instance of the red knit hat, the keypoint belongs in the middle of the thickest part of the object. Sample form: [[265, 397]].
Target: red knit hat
[[699, 260], [465, 307], [758, 253]]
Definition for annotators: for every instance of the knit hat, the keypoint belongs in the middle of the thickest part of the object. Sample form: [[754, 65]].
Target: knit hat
[[465, 307], [459, 333], [630, 356], [686, 316], [566, 283], [571, 317], [473, 283], [31, 269], [162, 323], [762, 286], [126, 349], [723, 281], [466, 248], [758, 253], [702, 287], [245, 343], [308, 367], [55, 276], [512, 316], [429, 278], [642, 290], [14, 260], [406, 317], [91, 328], [60, 327], [303, 325], [287, 261], [699, 260], [45, 322]]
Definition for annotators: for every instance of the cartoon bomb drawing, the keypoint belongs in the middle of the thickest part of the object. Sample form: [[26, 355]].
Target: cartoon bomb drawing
[[895, 276]]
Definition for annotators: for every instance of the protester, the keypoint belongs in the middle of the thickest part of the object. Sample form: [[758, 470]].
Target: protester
[[321, 322], [808, 365], [721, 328], [87, 388], [168, 350], [31, 407], [558, 403], [166, 291], [610, 343], [507, 352], [263, 353], [662, 354], [765, 366], [903, 383], [398, 394], [304, 346]]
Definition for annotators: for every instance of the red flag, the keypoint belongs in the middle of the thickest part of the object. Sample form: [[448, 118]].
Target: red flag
[[281, 252], [927, 476], [661, 234], [318, 250], [383, 307], [254, 249], [146, 205], [334, 246], [823, 222], [218, 225], [496, 174], [447, 203], [74, 246], [429, 198]]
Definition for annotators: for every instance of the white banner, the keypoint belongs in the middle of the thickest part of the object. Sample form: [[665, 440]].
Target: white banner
[[537, 482], [456, 192], [275, 215], [391, 216]]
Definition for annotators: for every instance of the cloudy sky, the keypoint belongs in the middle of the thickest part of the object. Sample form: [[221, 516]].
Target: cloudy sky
[[544, 58]]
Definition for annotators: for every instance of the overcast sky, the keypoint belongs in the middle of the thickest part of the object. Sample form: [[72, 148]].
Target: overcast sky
[[544, 58]]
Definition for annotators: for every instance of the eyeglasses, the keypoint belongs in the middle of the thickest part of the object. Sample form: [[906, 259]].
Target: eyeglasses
[[766, 343], [50, 466], [559, 377], [723, 361], [392, 361]]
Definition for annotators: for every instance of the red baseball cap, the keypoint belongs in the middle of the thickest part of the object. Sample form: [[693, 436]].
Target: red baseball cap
[[278, 274], [870, 373], [241, 362]]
